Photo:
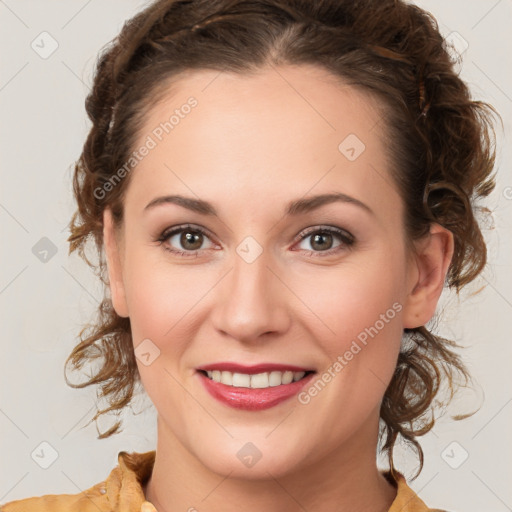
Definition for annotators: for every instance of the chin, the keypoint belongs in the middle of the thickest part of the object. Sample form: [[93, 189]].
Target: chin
[[248, 460]]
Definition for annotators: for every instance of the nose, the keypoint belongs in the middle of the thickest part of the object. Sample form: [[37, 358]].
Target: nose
[[251, 301]]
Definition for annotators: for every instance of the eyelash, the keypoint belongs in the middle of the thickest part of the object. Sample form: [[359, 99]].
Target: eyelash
[[346, 238]]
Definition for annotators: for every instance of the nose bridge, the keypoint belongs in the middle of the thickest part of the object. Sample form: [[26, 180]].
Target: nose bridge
[[251, 302]]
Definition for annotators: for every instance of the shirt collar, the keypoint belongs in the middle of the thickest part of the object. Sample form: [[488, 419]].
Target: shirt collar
[[124, 486]]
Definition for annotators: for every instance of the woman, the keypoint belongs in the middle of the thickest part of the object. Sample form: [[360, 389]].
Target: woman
[[230, 142]]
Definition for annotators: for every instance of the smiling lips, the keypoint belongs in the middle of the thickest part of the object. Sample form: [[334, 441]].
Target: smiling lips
[[253, 387]]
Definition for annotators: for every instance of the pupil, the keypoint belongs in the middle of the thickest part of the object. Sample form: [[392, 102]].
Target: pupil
[[321, 238], [188, 238]]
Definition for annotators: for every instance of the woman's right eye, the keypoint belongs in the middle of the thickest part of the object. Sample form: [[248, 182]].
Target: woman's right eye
[[189, 238]]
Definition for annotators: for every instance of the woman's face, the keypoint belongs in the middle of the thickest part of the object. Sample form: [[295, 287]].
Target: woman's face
[[277, 277]]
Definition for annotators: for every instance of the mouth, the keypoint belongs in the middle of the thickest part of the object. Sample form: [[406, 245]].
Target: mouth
[[253, 387], [257, 376], [260, 380]]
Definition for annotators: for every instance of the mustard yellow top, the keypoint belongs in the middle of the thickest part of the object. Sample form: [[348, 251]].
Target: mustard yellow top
[[122, 491]]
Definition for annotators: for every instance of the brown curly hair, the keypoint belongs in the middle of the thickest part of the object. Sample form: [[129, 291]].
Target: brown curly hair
[[441, 144]]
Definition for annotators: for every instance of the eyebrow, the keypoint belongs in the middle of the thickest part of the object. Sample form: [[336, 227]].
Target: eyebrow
[[296, 207]]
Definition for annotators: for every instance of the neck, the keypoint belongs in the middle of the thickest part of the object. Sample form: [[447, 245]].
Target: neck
[[345, 479]]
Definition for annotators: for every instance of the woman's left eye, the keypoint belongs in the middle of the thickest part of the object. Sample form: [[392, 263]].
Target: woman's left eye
[[323, 237], [192, 238]]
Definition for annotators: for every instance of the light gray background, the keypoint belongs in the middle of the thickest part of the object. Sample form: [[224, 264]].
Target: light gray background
[[44, 304]]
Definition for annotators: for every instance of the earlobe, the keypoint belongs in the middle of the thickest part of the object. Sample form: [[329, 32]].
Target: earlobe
[[432, 260], [115, 271]]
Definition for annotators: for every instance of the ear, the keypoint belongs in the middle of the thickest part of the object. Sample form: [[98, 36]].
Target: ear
[[115, 271], [428, 272]]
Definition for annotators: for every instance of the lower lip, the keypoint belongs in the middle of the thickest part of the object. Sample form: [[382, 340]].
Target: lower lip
[[250, 399]]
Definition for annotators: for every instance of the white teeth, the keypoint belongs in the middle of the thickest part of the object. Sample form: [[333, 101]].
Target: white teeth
[[274, 379], [258, 380], [226, 378], [287, 377], [241, 380]]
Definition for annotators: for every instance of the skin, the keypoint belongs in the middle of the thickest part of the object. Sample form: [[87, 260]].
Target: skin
[[253, 144]]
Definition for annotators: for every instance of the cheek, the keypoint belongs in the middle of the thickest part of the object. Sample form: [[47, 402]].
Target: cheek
[[164, 299], [352, 297], [360, 336], [160, 303], [358, 324], [157, 299]]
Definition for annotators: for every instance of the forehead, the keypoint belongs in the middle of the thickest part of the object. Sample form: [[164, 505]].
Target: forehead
[[285, 130]]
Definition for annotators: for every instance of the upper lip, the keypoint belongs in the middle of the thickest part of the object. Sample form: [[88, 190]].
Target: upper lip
[[253, 369]]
